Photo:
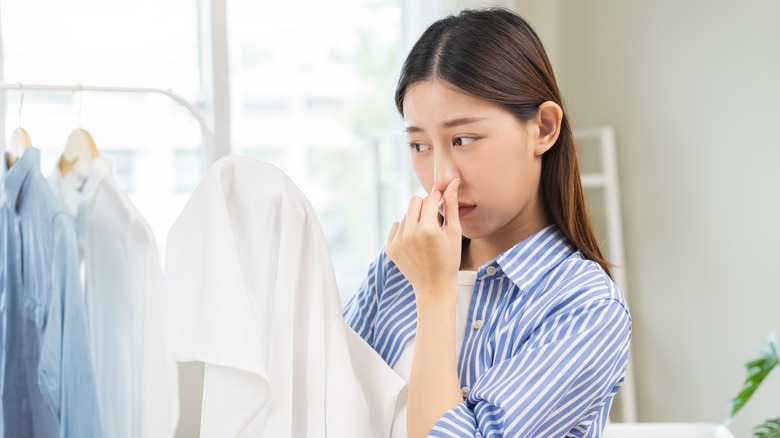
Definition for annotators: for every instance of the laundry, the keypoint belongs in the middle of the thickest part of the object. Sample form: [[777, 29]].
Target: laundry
[[255, 299], [47, 370]]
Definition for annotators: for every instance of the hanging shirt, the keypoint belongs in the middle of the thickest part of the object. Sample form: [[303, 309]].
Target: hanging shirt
[[136, 376], [68, 188], [545, 349], [255, 299], [49, 386]]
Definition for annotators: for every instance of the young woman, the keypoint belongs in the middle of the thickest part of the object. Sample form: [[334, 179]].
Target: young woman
[[491, 296]]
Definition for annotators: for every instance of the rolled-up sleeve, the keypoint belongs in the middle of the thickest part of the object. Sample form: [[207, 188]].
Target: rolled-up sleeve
[[555, 385], [361, 310]]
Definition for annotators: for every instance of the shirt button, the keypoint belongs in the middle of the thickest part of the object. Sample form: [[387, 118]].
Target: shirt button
[[477, 324], [465, 391], [491, 270]]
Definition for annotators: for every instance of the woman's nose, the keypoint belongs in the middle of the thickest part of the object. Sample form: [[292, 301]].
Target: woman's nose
[[444, 171]]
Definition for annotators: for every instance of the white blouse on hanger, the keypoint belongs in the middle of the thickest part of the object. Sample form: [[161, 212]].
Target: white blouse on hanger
[[254, 297], [136, 376]]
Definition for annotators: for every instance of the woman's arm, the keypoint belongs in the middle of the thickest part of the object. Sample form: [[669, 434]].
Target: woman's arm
[[561, 380], [434, 387], [428, 254]]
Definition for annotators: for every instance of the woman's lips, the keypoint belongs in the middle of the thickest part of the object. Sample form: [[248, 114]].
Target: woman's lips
[[465, 209]]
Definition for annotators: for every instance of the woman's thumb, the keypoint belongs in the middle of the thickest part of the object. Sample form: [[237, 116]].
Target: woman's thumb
[[450, 196]]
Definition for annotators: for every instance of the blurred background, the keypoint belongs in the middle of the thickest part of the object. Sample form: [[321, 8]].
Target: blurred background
[[686, 90]]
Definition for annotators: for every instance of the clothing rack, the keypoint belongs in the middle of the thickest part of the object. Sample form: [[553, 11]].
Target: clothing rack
[[207, 132]]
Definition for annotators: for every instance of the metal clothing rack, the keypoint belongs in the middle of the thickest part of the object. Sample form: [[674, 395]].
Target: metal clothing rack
[[207, 132]]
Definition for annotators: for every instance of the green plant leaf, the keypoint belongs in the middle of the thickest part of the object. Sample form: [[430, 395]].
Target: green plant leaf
[[770, 429], [757, 370]]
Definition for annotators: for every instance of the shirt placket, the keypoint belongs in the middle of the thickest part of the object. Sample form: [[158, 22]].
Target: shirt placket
[[477, 326]]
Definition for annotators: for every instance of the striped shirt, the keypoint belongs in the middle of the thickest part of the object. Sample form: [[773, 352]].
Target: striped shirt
[[545, 348]]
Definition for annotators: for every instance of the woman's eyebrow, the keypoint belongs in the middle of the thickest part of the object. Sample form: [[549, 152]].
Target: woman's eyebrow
[[449, 123], [462, 121]]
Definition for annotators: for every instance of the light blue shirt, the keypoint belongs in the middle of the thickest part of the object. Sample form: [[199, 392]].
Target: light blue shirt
[[49, 388], [546, 342]]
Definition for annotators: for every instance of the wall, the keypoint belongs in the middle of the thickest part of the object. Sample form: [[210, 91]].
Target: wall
[[692, 90]]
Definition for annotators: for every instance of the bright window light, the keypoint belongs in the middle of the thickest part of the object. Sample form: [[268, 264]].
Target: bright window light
[[150, 139], [312, 87]]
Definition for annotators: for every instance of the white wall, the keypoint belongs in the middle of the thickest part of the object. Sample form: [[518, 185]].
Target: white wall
[[693, 90]]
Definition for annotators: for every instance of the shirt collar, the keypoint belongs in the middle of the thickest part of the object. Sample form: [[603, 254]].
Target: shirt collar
[[528, 261], [68, 189], [15, 176], [100, 168]]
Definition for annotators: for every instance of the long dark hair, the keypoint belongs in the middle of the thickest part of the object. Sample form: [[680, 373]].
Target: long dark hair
[[493, 54]]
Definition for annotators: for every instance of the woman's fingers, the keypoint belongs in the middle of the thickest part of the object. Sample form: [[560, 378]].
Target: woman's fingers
[[426, 253], [413, 212], [392, 233], [426, 211], [430, 208], [451, 215], [395, 236]]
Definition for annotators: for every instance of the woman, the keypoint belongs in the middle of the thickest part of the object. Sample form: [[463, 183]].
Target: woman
[[491, 296]]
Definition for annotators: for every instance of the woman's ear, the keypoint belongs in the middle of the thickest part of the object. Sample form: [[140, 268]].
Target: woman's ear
[[548, 118]]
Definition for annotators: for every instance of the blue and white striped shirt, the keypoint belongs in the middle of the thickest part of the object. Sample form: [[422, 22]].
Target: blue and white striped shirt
[[546, 343]]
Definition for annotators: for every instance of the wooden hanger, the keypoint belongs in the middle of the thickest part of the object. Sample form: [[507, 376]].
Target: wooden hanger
[[80, 149], [20, 140]]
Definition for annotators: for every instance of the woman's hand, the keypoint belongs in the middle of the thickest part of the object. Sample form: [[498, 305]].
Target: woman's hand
[[428, 254]]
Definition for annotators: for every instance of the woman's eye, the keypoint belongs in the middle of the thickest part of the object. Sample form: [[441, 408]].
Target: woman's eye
[[419, 147], [462, 141]]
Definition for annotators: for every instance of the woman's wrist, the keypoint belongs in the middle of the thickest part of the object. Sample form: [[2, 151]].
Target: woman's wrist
[[436, 295]]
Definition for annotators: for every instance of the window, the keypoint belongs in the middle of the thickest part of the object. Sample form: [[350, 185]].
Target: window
[[311, 92], [312, 87], [142, 43]]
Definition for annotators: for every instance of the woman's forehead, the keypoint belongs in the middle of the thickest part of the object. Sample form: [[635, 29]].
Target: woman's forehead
[[438, 101]]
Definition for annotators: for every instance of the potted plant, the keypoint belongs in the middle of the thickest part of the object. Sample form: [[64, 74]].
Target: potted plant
[[757, 371]]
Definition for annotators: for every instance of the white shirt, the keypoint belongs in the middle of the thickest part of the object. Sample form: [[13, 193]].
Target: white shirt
[[255, 299], [135, 373]]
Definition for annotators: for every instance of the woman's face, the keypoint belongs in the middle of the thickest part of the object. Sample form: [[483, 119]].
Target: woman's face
[[454, 135]]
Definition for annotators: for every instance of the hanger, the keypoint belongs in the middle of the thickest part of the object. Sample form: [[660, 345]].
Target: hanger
[[80, 150], [20, 139]]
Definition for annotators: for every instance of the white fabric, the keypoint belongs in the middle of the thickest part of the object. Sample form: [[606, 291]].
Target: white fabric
[[255, 298], [466, 281], [135, 374], [68, 188]]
